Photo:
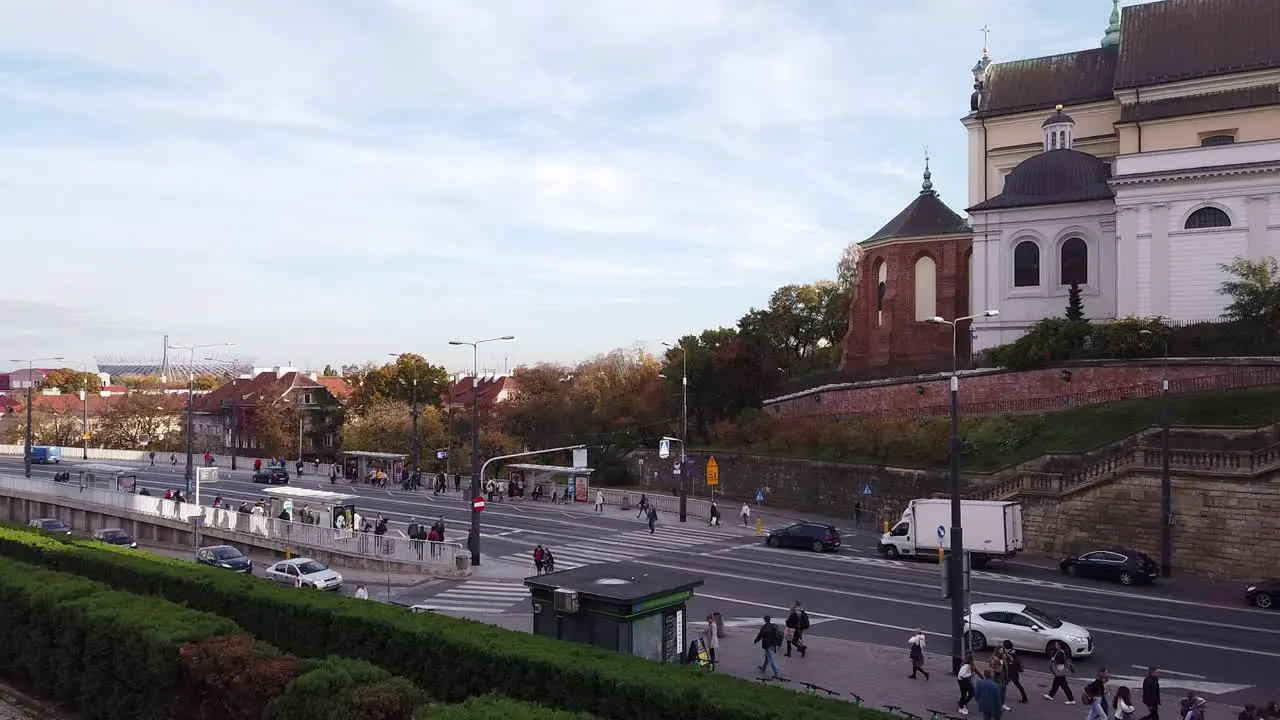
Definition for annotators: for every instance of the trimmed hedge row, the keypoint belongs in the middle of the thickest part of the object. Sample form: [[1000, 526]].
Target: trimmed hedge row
[[495, 707], [340, 689], [451, 659]]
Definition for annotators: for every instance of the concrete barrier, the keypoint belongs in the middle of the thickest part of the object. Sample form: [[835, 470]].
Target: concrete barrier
[[142, 457], [662, 502], [152, 517]]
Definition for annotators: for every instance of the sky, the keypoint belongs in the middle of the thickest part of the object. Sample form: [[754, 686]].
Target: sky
[[332, 181]]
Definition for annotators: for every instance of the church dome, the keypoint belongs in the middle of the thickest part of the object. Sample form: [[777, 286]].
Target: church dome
[[1056, 172], [1058, 118]]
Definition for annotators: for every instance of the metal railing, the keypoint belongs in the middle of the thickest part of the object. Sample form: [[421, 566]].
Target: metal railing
[[301, 536], [662, 501]]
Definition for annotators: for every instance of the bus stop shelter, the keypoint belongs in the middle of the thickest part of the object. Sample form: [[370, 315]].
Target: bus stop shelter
[[576, 479], [356, 464], [315, 507]]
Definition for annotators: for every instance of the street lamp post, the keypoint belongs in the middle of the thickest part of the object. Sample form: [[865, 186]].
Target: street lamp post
[[84, 399], [474, 537], [235, 419], [955, 563], [684, 425], [30, 386], [191, 391], [1166, 482]]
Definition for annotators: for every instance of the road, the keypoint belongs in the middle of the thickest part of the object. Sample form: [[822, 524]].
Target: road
[[1206, 641]]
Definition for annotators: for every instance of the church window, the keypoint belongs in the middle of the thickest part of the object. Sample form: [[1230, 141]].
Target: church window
[[1074, 262], [1026, 264], [1216, 140], [1207, 217], [882, 278], [926, 288]]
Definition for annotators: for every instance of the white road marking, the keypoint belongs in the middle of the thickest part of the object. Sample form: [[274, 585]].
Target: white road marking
[[478, 596], [1172, 672]]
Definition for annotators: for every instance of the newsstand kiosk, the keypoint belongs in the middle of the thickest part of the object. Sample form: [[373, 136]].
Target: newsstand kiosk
[[628, 608]]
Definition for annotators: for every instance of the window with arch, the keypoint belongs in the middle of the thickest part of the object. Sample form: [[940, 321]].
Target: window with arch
[[926, 288], [1215, 140], [1026, 264], [1207, 217], [882, 279], [1073, 259]]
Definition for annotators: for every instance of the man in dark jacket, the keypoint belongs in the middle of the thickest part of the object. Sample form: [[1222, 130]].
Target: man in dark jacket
[[1151, 694], [989, 697], [770, 639], [797, 623]]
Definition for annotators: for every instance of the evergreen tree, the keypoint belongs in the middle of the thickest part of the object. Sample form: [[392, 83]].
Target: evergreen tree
[[1075, 305]]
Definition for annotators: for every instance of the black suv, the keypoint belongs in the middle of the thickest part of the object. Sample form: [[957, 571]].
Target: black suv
[[274, 475], [818, 538]]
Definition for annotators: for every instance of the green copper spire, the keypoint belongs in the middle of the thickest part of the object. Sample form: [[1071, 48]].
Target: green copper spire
[[1112, 38], [927, 187]]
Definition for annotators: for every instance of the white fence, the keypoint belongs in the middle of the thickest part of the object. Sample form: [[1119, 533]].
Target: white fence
[[300, 535], [662, 502], [138, 456]]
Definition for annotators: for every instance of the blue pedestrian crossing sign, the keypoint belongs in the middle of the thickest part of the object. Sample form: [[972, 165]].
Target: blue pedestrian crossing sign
[[866, 489], [760, 496], [664, 448], [942, 531]]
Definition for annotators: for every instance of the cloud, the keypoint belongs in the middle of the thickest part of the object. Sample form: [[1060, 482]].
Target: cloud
[[321, 180]]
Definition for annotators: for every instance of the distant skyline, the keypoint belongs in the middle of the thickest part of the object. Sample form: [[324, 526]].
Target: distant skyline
[[326, 183]]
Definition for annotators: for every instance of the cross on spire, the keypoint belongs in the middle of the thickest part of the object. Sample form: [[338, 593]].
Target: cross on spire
[[986, 35]]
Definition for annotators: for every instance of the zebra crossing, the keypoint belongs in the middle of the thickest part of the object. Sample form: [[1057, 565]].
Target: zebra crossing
[[626, 546], [484, 597]]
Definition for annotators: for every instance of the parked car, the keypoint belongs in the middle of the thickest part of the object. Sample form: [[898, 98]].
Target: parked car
[[818, 538], [1263, 594], [51, 525], [1127, 567], [274, 475], [115, 536], [1027, 627], [225, 557], [304, 572]]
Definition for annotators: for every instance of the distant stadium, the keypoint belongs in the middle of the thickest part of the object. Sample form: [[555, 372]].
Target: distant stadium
[[118, 366]]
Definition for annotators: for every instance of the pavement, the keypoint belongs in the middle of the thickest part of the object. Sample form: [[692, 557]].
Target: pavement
[[1202, 634]]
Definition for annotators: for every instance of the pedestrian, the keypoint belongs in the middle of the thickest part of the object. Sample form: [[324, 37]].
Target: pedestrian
[[153, 458], [1013, 669], [711, 637], [1095, 696], [173, 462], [987, 694], [257, 464], [964, 678], [746, 514], [644, 503], [1151, 693], [653, 519], [1123, 705], [539, 558], [797, 623], [714, 519], [457, 483], [1060, 667], [361, 593], [599, 501], [1000, 675], [769, 639], [300, 465], [915, 650], [1192, 707]]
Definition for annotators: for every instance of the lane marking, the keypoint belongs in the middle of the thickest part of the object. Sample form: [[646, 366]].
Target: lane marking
[[1171, 672]]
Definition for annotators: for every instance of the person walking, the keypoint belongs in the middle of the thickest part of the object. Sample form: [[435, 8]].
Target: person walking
[[915, 650], [797, 623], [361, 593], [987, 694], [1124, 709], [1000, 674], [644, 504], [1095, 694], [1060, 667], [769, 639], [714, 516], [599, 501], [1151, 693], [653, 519], [1013, 669], [746, 514], [964, 678], [153, 458]]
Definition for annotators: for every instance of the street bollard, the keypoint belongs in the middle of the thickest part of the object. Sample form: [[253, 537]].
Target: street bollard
[[288, 553], [759, 526]]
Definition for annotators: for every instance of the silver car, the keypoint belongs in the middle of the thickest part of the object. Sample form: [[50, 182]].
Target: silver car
[[304, 572], [51, 525]]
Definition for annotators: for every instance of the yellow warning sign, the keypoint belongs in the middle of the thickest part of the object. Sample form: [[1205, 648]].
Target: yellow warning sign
[[713, 471]]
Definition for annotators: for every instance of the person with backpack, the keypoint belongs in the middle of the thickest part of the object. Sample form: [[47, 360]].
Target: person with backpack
[[915, 651], [797, 623], [1060, 667], [769, 639]]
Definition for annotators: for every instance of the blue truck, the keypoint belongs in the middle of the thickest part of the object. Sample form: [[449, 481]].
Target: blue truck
[[46, 455]]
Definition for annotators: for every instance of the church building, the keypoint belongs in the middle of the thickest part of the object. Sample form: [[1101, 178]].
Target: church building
[[1134, 169]]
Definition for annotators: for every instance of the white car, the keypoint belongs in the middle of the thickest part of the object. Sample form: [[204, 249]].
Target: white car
[[1028, 628], [304, 572]]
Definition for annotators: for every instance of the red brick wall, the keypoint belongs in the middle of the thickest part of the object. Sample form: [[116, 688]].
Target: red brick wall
[[1035, 391], [900, 341]]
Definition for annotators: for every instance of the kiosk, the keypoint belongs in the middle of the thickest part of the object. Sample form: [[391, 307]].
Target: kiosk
[[629, 608]]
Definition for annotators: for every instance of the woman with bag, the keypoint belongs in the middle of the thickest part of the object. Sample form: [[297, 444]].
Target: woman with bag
[[1122, 704], [915, 650], [965, 679], [1061, 667]]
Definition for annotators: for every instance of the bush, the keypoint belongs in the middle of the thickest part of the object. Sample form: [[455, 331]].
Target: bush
[[233, 677], [495, 707], [102, 653], [337, 689], [1055, 340], [452, 659]]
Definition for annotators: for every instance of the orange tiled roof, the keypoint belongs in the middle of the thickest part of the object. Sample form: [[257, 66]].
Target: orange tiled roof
[[489, 392], [338, 387]]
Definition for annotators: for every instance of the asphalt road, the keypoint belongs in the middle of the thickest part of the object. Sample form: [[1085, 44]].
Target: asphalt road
[[1204, 639]]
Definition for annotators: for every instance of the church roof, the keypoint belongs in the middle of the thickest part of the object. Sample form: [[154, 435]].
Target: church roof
[[926, 216], [1053, 177], [1241, 99], [1075, 78]]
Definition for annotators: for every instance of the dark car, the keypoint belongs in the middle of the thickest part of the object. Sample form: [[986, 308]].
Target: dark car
[[274, 475], [818, 538], [1127, 567], [1263, 594], [51, 525], [225, 557], [115, 536]]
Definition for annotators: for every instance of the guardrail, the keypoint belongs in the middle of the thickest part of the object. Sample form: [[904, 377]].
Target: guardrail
[[663, 502], [300, 535], [142, 457]]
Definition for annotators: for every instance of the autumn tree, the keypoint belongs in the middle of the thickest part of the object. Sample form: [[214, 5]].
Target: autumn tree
[[387, 426], [206, 382], [274, 425], [139, 382], [329, 371], [51, 428], [72, 381], [398, 380], [130, 417]]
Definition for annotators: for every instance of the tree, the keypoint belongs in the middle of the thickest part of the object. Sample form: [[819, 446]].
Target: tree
[[848, 268], [388, 427], [206, 382], [72, 381], [49, 428], [802, 325], [275, 427], [1075, 304], [139, 382], [129, 418], [329, 371], [395, 381], [1254, 290]]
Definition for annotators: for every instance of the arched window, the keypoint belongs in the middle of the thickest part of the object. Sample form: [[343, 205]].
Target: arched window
[[1074, 262], [1215, 140], [1026, 264], [926, 289], [882, 278], [1207, 217]]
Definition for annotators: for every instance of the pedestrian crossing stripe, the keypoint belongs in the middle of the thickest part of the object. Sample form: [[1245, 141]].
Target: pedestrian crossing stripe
[[626, 546], [478, 596]]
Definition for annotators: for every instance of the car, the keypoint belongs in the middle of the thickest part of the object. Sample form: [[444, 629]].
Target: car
[[115, 536], [1027, 627], [815, 537], [51, 525], [304, 572], [1263, 594], [274, 475], [1127, 567], [225, 557]]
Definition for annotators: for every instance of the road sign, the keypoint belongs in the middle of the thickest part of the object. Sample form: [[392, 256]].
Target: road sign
[[477, 504], [442, 454], [713, 471], [866, 489], [664, 449], [760, 496], [675, 468], [942, 531]]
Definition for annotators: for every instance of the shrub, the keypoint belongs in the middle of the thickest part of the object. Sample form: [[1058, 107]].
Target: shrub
[[452, 659], [338, 688], [495, 707], [233, 677]]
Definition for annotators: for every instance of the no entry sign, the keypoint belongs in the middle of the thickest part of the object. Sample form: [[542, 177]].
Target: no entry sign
[[477, 504]]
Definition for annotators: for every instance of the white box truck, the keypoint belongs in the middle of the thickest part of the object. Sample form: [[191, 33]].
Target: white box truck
[[992, 530]]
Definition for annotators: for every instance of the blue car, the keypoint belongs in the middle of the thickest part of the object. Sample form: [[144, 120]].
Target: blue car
[[44, 455]]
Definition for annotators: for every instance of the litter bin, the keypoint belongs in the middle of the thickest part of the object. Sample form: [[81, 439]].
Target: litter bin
[[460, 562]]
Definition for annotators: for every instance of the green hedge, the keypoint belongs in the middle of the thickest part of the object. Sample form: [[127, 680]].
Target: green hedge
[[101, 653], [340, 689], [451, 659], [495, 707]]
